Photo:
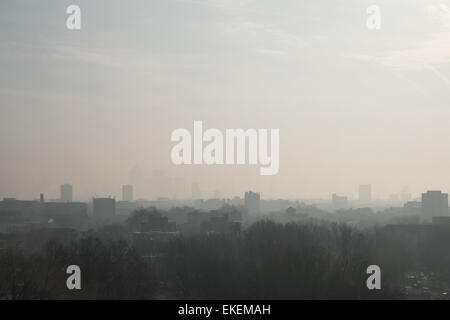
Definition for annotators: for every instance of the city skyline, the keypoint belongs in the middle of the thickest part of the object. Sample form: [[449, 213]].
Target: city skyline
[[90, 106], [127, 194]]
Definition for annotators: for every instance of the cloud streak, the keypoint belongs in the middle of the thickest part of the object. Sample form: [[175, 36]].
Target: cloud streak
[[427, 54]]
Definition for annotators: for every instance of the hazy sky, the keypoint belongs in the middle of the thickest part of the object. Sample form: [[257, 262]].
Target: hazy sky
[[96, 107]]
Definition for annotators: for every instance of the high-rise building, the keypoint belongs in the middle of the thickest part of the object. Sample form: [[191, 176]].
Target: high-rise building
[[393, 197], [127, 192], [252, 200], [196, 193], [339, 202], [104, 209], [66, 193], [217, 194], [365, 193], [434, 204]]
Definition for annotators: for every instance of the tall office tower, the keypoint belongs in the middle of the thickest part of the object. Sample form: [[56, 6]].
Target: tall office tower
[[66, 193], [127, 192], [104, 209], [196, 193], [365, 193], [434, 204], [252, 200], [339, 202]]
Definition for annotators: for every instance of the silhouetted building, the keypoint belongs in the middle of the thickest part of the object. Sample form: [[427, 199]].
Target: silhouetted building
[[252, 202], [41, 198], [365, 193], [220, 224], [405, 196], [196, 217], [217, 194], [434, 204], [417, 205], [212, 204], [409, 220], [127, 192], [441, 220], [14, 211], [157, 222], [393, 197], [339, 202], [40, 213], [125, 208], [66, 214], [413, 208], [215, 221], [104, 209], [66, 193]]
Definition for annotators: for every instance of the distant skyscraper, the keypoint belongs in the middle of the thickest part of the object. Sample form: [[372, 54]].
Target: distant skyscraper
[[434, 204], [196, 193], [365, 193], [127, 192], [405, 195], [393, 197], [66, 193], [180, 188], [104, 209], [252, 200], [339, 202], [217, 194]]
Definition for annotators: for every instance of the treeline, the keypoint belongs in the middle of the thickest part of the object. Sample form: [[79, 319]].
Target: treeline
[[109, 270], [265, 261], [274, 261]]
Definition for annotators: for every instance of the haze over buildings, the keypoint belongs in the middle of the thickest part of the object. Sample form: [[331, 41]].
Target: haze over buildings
[[365, 193], [339, 202], [252, 202], [96, 107], [127, 192], [434, 204], [104, 209], [66, 193]]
